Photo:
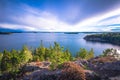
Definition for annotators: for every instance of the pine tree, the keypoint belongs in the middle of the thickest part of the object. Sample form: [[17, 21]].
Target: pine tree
[[25, 55], [6, 65]]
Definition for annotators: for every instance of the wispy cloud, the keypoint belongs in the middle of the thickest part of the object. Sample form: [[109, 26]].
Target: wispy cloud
[[15, 27], [32, 19], [102, 21]]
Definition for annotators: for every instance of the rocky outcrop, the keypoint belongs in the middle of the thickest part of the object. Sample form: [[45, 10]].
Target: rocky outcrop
[[101, 68], [43, 74], [98, 68], [69, 71], [33, 66], [105, 69], [91, 75]]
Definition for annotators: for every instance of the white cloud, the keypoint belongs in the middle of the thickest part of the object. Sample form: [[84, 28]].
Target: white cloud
[[15, 26], [36, 20], [94, 23], [95, 20], [115, 20], [42, 21]]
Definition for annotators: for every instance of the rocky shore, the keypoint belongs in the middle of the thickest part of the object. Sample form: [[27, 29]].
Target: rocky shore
[[98, 68]]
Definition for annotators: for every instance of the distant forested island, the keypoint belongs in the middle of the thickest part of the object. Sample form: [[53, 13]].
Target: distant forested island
[[5, 33], [111, 37], [71, 32]]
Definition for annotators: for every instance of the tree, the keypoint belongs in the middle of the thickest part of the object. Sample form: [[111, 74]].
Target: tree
[[107, 51], [82, 53], [6, 65], [67, 55], [15, 60], [1, 55], [90, 54], [40, 51], [25, 55]]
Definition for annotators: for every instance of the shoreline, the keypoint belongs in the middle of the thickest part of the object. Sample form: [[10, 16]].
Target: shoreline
[[112, 38]]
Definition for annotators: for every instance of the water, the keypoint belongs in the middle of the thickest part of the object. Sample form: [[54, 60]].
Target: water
[[73, 42]]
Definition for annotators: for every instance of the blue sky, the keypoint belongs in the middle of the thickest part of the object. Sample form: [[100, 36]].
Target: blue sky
[[60, 15]]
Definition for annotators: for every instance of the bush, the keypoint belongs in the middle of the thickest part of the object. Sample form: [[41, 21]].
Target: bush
[[84, 54], [72, 71]]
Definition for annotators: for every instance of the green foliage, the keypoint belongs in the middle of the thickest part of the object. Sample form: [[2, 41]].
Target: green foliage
[[6, 64], [90, 54], [105, 52], [1, 55], [111, 37], [84, 54], [11, 61], [40, 52], [25, 55], [55, 54], [15, 60]]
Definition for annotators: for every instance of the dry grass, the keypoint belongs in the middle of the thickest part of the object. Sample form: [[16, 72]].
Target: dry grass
[[72, 71], [104, 59]]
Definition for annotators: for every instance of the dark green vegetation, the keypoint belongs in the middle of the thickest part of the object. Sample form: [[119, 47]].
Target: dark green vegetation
[[84, 54], [12, 61], [71, 32], [1, 33], [113, 38]]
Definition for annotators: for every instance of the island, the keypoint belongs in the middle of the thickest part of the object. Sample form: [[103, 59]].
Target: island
[[5, 33], [111, 37], [71, 32]]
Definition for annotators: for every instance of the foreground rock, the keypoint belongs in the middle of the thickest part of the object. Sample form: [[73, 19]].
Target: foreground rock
[[68, 71], [105, 67], [98, 68], [33, 66], [90, 75], [43, 74]]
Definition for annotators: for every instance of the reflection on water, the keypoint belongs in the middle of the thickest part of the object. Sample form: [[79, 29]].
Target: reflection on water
[[71, 41]]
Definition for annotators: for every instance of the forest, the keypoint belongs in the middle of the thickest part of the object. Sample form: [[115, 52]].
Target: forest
[[112, 37], [12, 61]]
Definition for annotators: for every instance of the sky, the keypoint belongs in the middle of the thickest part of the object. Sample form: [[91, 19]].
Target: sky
[[60, 15]]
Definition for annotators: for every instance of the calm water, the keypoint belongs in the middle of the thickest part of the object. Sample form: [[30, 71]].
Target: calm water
[[71, 41]]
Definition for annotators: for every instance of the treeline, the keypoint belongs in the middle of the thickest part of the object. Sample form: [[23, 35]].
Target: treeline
[[12, 61], [112, 37]]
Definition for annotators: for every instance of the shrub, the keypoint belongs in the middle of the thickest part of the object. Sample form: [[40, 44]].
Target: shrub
[[84, 54], [72, 71]]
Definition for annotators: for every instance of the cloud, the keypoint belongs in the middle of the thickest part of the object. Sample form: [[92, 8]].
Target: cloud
[[15, 27], [71, 13], [92, 21], [101, 22], [33, 19]]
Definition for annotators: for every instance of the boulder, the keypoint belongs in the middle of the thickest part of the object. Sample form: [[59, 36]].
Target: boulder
[[90, 75], [105, 69]]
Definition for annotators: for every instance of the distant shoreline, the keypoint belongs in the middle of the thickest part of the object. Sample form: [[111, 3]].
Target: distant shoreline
[[5, 33], [71, 32], [113, 38]]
